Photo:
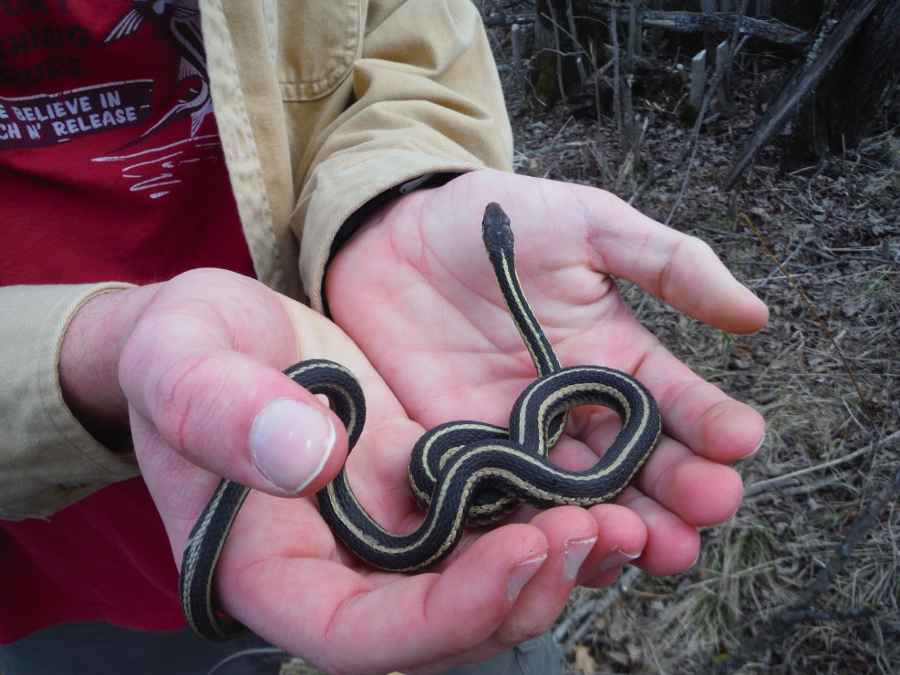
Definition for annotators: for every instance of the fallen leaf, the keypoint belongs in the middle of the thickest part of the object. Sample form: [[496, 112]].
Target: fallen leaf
[[584, 662]]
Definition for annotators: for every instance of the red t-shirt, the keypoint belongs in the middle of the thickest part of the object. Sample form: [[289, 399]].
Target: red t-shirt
[[110, 169]]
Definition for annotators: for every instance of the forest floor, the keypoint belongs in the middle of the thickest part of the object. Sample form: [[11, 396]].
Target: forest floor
[[804, 578]]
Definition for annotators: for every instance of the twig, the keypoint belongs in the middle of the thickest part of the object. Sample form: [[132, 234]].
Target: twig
[[555, 147], [837, 480], [249, 652], [718, 80], [812, 614], [778, 627], [584, 614], [517, 56], [769, 30], [573, 34], [723, 233], [800, 84], [773, 273], [779, 481], [812, 309], [857, 530], [500, 20], [634, 33], [558, 43], [793, 489], [690, 146], [723, 67], [617, 95]]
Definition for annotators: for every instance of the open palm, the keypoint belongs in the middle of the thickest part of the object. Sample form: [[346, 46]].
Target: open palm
[[415, 291], [199, 370]]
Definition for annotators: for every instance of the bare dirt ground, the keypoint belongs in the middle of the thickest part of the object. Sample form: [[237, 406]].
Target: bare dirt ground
[[752, 602]]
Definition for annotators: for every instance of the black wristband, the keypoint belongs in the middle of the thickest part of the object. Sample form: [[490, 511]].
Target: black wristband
[[355, 221]]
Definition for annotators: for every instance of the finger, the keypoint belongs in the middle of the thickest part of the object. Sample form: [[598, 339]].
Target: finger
[[672, 545], [661, 528], [179, 488], [699, 491], [655, 531], [350, 624], [571, 534], [317, 337], [622, 242], [675, 492], [243, 420], [604, 578], [699, 414], [621, 538], [682, 270]]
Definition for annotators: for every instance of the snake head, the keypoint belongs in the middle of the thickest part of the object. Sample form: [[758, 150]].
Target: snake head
[[495, 228]]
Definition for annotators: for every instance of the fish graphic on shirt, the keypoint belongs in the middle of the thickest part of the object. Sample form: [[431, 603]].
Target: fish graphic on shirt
[[178, 23]]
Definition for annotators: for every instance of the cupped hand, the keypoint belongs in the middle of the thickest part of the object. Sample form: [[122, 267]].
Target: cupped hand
[[200, 379], [415, 291]]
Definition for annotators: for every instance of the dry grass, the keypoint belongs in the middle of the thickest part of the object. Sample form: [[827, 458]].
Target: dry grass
[[836, 229]]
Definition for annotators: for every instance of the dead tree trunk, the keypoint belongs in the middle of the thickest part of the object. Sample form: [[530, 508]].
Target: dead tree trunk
[[840, 25], [562, 34], [860, 91]]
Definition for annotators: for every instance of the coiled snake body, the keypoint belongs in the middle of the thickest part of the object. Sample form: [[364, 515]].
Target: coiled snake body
[[459, 472]]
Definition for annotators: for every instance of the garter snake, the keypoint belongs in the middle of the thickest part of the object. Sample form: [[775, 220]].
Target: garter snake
[[460, 472]]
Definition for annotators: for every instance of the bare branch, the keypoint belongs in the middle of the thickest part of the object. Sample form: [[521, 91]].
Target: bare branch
[[763, 486], [769, 30]]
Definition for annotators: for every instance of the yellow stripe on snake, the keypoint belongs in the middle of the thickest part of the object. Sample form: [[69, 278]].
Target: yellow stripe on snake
[[461, 473]]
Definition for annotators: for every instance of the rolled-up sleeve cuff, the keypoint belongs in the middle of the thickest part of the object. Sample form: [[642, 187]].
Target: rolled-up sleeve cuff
[[47, 458], [337, 197]]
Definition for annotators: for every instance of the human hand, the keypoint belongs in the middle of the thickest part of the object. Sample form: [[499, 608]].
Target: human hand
[[415, 291], [199, 373]]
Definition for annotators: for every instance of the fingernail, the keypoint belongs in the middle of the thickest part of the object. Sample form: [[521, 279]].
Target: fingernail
[[696, 558], [290, 442], [575, 554], [520, 575], [615, 559], [749, 291], [759, 445]]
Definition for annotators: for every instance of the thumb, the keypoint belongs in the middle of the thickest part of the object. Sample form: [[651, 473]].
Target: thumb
[[243, 420], [197, 367]]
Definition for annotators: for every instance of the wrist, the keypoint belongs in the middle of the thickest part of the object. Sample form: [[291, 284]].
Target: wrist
[[371, 210], [89, 358]]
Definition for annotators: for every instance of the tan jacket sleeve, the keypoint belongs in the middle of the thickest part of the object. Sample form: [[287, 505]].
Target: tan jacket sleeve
[[373, 94], [426, 99], [47, 459]]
